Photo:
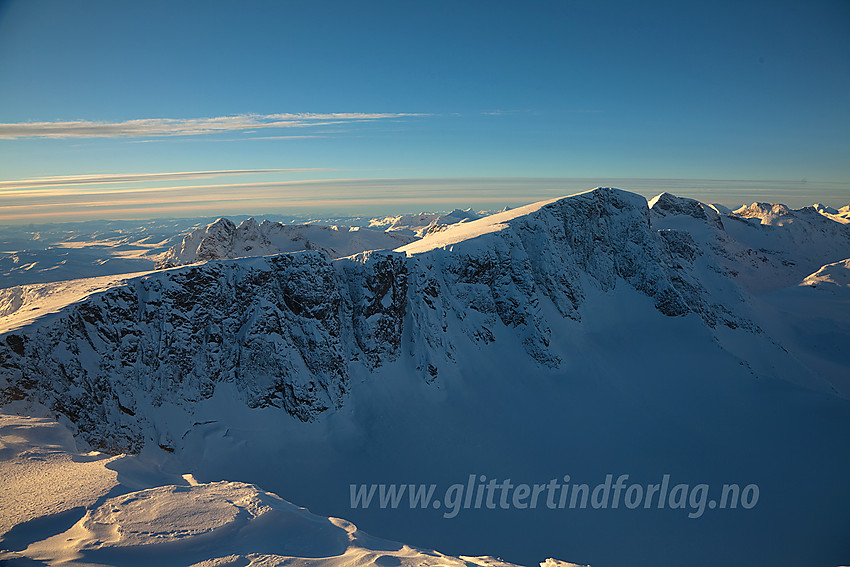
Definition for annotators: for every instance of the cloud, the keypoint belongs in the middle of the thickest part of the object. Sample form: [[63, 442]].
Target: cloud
[[68, 180], [184, 126], [373, 196]]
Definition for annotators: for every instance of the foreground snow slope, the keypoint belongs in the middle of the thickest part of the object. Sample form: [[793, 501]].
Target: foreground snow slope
[[42, 472], [59, 506], [589, 335]]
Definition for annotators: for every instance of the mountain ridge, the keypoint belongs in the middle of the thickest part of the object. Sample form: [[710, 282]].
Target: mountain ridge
[[224, 240], [290, 329]]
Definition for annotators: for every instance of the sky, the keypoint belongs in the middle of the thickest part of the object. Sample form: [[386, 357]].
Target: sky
[[151, 109]]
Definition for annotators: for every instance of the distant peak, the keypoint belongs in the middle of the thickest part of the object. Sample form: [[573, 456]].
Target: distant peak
[[250, 222], [667, 200], [761, 210], [668, 204], [825, 209], [222, 221], [720, 209]]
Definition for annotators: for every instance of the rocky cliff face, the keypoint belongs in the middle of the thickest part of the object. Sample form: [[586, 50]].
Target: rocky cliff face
[[282, 329], [288, 330]]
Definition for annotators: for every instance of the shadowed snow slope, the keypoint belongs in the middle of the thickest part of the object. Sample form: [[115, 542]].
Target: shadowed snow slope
[[583, 336]]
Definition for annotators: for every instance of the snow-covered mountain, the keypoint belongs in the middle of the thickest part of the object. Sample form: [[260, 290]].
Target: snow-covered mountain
[[580, 335], [764, 247], [288, 330], [50, 253], [223, 240], [424, 223], [841, 215]]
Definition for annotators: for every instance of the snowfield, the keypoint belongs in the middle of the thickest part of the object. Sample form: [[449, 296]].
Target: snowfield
[[589, 335], [43, 474]]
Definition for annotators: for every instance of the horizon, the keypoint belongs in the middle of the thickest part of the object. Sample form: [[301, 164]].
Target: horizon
[[376, 197], [163, 111]]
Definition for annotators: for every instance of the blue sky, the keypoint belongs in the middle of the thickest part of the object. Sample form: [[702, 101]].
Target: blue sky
[[353, 107]]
